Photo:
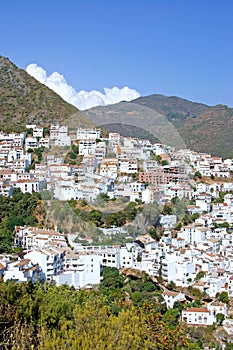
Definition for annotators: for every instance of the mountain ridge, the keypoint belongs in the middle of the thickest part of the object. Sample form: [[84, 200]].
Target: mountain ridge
[[203, 128], [24, 100]]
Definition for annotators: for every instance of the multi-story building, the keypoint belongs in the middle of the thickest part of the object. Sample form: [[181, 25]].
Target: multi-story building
[[36, 238], [87, 147], [23, 271], [88, 134], [51, 260], [80, 270]]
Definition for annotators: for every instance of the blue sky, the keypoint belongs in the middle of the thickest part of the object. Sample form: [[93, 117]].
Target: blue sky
[[181, 48]]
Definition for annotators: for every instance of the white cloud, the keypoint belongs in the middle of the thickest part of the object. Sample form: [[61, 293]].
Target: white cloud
[[81, 99]]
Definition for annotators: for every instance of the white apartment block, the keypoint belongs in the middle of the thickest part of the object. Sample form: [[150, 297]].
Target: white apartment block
[[23, 271], [38, 132], [51, 260], [193, 234], [6, 189], [88, 134], [36, 238], [28, 185], [110, 255], [198, 316], [80, 270], [44, 142], [119, 257], [128, 166], [63, 140], [60, 135], [108, 168], [31, 143], [54, 130], [171, 297], [100, 151], [87, 147], [65, 190], [17, 153]]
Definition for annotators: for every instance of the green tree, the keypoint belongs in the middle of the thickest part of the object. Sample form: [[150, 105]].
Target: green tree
[[223, 297], [199, 276], [198, 175], [75, 148], [72, 155], [220, 318], [171, 285], [95, 216]]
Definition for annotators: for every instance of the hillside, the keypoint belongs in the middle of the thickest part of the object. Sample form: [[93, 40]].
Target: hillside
[[168, 119], [24, 100], [175, 108]]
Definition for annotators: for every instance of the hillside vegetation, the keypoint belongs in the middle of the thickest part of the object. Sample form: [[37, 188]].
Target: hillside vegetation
[[24, 100], [202, 128], [48, 317]]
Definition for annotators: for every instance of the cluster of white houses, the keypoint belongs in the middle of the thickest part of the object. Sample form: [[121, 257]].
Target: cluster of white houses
[[209, 251], [139, 170], [109, 165]]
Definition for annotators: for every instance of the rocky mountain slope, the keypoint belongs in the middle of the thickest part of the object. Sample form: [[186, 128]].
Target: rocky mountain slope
[[199, 127], [24, 100]]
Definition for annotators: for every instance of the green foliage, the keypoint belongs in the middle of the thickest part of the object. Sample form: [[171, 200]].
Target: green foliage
[[83, 203], [223, 297], [46, 195], [72, 155], [171, 285], [164, 162], [75, 148], [178, 305], [198, 175], [38, 152], [111, 279], [95, 216], [171, 317], [220, 318], [199, 276], [49, 317], [196, 293], [15, 210], [167, 210]]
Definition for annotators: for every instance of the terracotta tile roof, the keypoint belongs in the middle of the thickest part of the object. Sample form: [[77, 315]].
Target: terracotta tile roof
[[197, 309], [23, 262], [170, 293]]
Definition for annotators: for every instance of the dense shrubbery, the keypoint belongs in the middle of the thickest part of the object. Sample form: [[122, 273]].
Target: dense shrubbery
[[49, 317], [16, 210]]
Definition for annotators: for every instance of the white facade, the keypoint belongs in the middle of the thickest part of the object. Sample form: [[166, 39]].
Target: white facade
[[108, 168], [110, 256], [171, 297], [38, 131], [87, 147], [50, 259], [198, 317], [22, 271], [128, 166], [31, 142], [36, 238], [80, 271], [204, 316], [28, 185], [88, 134]]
